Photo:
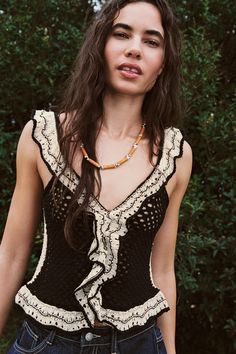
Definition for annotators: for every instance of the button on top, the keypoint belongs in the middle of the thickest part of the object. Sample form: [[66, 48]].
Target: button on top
[[89, 336]]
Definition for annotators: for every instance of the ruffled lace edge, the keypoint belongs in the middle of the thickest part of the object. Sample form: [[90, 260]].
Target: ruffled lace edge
[[45, 135], [72, 321], [105, 264], [105, 261], [48, 314]]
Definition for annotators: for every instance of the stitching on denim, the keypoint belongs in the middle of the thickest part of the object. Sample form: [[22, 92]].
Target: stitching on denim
[[41, 346], [30, 330], [158, 338], [95, 350], [35, 350]]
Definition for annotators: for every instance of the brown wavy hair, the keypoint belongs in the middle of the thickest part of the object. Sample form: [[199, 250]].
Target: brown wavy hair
[[83, 99]]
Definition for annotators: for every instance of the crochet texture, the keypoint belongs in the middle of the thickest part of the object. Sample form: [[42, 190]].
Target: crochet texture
[[110, 277]]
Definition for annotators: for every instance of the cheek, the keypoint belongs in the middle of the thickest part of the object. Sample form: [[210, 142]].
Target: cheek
[[155, 71], [156, 67], [109, 53], [157, 64]]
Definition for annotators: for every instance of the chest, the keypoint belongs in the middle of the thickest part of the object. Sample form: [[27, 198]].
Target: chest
[[119, 183]]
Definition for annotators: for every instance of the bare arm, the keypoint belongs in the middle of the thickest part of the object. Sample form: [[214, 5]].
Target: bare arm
[[22, 222], [163, 254]]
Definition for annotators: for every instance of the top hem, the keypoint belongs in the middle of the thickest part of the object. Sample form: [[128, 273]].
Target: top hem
[[71, 321]]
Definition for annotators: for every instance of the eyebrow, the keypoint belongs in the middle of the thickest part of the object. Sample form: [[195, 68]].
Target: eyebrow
[[129, 28]]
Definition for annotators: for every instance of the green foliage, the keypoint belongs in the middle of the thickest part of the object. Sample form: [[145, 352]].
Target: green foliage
[[206, 247], [39, 41], [7, 170], [39, 44]]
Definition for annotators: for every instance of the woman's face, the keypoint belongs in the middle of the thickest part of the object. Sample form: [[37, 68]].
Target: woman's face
[[134, 51]]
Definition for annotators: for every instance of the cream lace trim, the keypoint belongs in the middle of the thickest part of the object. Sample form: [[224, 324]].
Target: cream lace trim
[[47, 314], [72, 321]]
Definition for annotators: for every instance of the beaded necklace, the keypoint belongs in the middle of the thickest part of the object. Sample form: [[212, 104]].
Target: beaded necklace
[[120, 162]]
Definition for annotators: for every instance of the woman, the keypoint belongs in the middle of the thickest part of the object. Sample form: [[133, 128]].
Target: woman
[[110, 172]]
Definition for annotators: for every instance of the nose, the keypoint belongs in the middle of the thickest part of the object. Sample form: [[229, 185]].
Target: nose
[[133, 50], [133, 53]]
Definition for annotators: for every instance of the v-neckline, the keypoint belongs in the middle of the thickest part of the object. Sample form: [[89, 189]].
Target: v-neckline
[[72, 170]]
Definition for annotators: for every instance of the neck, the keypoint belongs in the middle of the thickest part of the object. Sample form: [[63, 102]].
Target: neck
[[122, 115]]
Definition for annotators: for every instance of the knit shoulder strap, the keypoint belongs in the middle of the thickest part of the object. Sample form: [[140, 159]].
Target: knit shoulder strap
[[172, 149], [45, 135]]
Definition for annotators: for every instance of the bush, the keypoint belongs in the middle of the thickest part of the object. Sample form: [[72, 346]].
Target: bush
[[7, 170], [206, 246], [39, 39], [39, 44]]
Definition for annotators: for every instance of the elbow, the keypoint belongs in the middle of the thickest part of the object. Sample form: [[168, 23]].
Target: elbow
[[165, 276], [13, 260]]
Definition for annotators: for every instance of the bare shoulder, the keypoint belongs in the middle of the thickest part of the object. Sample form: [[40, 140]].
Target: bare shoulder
[[27, 148], [184, 167], [186, 159]]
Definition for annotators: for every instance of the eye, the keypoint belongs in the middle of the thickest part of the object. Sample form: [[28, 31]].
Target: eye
[[120, 35], [152, 43]]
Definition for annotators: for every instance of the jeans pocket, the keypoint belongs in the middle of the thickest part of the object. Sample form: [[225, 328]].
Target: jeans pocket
[[160, 346], [158, 335], [29, 341]]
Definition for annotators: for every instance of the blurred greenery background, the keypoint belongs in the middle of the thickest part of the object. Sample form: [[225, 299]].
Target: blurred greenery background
[[39, 41]]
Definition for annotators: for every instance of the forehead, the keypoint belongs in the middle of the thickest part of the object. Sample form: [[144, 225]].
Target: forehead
[[141, 15]]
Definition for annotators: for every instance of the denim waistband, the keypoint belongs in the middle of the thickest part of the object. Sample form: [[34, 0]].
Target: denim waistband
[[98, 332], [108, 337]]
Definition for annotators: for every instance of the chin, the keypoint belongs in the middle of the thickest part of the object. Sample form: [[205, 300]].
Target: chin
[[126, 89]]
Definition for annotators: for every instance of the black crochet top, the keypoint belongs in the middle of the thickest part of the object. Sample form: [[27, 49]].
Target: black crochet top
[[110, 279]]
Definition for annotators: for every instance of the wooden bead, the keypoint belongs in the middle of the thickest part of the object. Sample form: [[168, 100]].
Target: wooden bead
[[120, 162]]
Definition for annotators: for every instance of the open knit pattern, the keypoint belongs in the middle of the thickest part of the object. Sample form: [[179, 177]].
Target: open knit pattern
[[110, 278]]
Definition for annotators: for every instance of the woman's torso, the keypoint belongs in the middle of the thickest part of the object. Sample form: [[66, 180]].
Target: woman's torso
[[111, 280]]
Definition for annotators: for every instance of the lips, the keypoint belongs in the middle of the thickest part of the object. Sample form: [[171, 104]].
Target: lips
[[130, 68]]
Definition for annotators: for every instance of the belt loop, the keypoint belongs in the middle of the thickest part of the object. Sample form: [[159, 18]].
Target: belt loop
[[51, 337], [113, 341]]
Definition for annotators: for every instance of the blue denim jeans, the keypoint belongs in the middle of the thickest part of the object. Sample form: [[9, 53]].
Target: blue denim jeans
[[33, 339]]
